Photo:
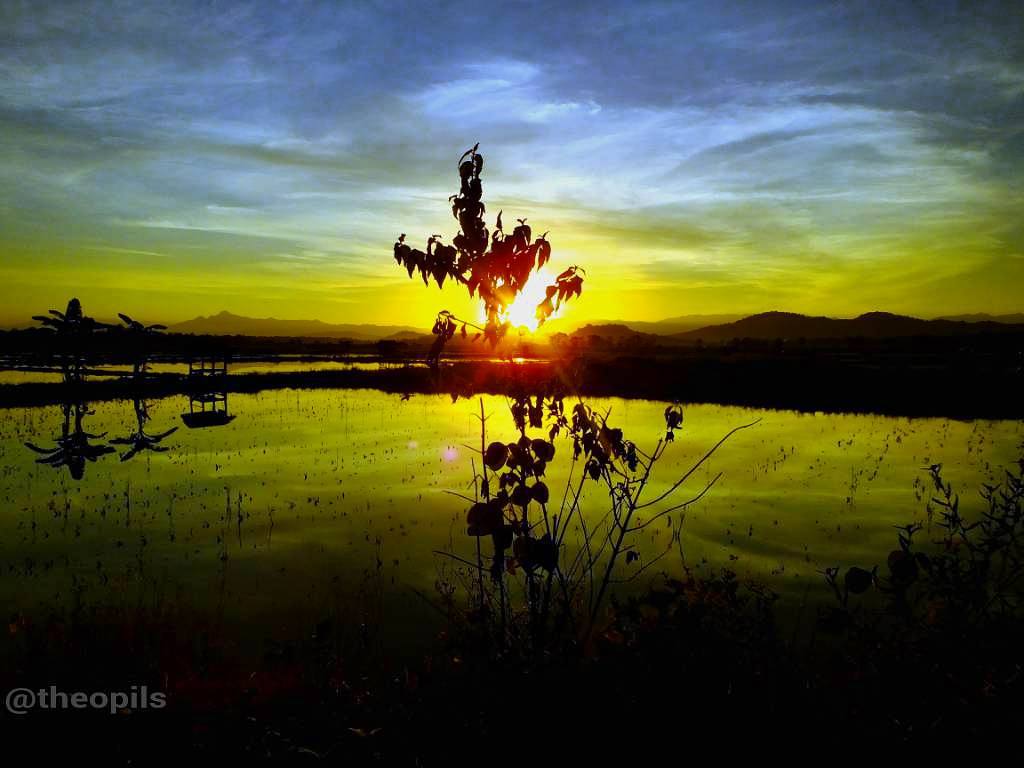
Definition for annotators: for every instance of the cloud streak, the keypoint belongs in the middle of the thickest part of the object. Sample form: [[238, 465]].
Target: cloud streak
[[714, 157]]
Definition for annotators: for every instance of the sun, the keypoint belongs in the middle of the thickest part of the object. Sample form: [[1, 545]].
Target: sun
[[522, 313]]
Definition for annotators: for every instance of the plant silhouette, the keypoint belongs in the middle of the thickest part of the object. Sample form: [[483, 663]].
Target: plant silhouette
[[494, 267], [73, 327], [136, 327], [565, 587], [72, 321], [140, 441], [73, 447], [971, 574], [139, 334]]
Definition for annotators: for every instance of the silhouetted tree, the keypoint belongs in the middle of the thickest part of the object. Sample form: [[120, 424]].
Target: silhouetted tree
[[139, 336], [494, 267], [73, 327]]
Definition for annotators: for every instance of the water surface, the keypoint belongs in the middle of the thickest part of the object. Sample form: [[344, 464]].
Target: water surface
[[308, 501]]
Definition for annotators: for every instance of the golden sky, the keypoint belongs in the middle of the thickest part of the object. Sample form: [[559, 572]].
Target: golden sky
[[698, 158]]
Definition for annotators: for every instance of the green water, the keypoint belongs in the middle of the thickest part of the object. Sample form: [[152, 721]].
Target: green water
[[309, 501]]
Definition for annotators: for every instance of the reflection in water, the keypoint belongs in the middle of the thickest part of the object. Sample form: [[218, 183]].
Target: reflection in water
[[72, 448], [207, 409], [139, 440], [208, 403], [345, 478]]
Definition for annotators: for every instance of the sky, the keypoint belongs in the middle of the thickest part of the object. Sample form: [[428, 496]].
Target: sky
[[169, 160]]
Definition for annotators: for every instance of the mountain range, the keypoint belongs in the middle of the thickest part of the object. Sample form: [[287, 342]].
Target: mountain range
[[788, 325], [228, 324], [683, 329], [982, 317], [671, 325]]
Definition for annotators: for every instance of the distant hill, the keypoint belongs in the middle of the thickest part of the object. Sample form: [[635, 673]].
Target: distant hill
[[409, 336], [982, 317], [674, 325], [788, 325], [228, 324], [681, 329], [669, 326], [609, 331]]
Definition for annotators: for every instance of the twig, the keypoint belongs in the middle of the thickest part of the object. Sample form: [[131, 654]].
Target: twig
[[643, 568], [694, 468], [641, 526]]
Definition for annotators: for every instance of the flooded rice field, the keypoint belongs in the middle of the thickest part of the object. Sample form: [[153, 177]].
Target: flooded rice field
[[294, 504]]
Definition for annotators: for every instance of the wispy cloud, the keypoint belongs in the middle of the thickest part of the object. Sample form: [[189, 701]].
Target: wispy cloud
[[745, 157]]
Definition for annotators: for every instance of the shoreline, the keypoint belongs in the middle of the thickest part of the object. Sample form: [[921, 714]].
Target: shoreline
[[820, 387]]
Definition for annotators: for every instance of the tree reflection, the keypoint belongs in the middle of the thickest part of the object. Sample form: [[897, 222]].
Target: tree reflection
[[139, 440], [73, 448]]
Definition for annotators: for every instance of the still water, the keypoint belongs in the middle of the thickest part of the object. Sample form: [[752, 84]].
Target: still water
[[303, 502], [11, 373]]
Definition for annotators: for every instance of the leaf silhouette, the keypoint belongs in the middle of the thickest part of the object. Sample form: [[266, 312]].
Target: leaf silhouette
[[494, 267]]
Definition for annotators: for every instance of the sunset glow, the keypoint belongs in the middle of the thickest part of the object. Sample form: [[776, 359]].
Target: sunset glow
[[523, 312], [262, 159], [430, 384]]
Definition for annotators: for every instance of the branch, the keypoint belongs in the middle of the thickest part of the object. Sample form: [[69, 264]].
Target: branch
[[664, 512], [461, 496], [460, 559], [644, 568], [696, 466]]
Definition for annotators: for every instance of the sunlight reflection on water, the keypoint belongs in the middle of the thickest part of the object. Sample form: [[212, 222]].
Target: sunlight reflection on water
[[283, 508]]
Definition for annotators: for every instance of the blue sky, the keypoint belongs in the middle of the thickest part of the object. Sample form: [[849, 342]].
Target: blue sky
[[174, 159]]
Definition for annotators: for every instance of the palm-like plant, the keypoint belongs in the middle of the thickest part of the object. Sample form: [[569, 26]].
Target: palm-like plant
[[139, 440], [72, 448], [72, 326], [139, 332], [71, 321], [136, 327]]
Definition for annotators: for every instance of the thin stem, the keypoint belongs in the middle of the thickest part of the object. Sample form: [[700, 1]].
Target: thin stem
[[641, 526], [694, 468]]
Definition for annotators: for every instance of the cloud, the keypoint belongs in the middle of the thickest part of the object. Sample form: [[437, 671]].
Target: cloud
[[812, 149]]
